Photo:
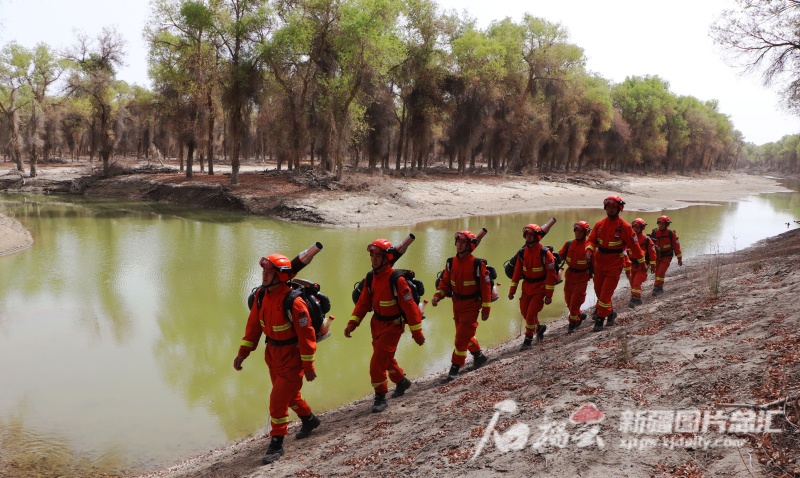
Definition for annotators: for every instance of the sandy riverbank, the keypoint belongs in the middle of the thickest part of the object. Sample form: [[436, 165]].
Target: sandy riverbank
[[390, 201]]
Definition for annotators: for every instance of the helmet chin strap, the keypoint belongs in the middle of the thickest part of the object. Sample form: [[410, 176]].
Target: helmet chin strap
[[384, 263], [275, 280]]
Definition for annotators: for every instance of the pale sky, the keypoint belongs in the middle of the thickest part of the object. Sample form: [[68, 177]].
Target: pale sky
[[620, 38]]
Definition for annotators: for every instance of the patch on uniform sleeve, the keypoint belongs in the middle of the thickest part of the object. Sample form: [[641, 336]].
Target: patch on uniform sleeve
[[407, 296], [486, 278], [635, 238], [302, 320], [551, 265]]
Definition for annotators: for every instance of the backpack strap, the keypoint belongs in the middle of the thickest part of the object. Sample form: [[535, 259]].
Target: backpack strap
[[260, 295], [478, 262], [566, 254], [288, 302], [368, 281]]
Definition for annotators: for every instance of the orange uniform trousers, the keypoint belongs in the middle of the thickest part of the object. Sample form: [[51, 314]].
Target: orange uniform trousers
[[384, 345], [465, 317], [606, 277], [662, 264], [575, 284], [637, 277], [286, 374], [530, 304]]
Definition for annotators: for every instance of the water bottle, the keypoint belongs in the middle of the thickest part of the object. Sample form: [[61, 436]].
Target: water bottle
[[422, 307]]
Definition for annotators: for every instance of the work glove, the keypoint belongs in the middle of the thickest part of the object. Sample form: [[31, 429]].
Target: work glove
[[652, 269], [485, 313], [548, 300], [435, 300], [308, 370], [418, 337], [237, 362], [680, 261], [349, 330]]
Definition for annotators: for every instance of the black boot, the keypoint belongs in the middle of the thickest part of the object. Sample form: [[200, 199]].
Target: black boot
[[658, 290], [478, 359], [540, 333], [526, 344], [598, 324], [401, 388], [572, 326], [274, 451], [611, 318], [380, 403], [309, 424], [453, 373]]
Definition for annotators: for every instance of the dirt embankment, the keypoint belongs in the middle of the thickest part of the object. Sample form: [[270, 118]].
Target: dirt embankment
[[726, 332]]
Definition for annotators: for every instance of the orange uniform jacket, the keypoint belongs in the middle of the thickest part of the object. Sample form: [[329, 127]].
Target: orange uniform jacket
[[461, 281], [270, 319], [575, 256], [667, 243], [532, 271], [609, 239], [649, 247], [383, 303]]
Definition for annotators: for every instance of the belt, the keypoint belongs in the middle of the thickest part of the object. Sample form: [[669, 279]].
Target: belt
[[278, 343], [386, 318], [609, 251], [669, 253], [533, 280], [578, 270], [476, 295]]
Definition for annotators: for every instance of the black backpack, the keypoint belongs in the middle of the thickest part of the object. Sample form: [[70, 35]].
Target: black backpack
[[416, 285], [318, 303], [510, 264], [491, 270]]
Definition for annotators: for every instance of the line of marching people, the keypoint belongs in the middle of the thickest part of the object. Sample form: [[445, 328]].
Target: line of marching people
[[288, 316]]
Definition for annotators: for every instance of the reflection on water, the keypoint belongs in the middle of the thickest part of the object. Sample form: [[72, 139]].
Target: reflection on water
[[118, 328]]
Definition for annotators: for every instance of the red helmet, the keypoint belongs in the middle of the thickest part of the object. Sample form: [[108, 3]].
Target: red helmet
[[532, 228], [614, 200], [467, 236], [278, 263], [663, 219], [582, 225], [384, 246], [640, 222]]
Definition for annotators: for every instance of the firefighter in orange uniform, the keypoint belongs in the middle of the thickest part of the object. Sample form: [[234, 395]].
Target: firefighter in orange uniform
[[539, 278], [605, 249], [289, 351], [667, 245], [471, 295], [639, 274], [389, 316], [576, 278]]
